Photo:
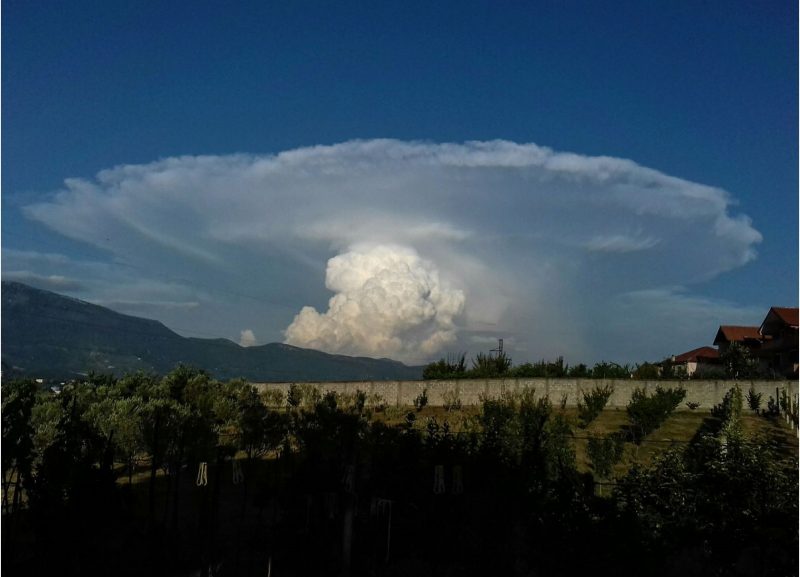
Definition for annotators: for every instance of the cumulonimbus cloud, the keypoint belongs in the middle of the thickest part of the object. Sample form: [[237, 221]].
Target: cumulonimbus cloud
[[388, 303], [538, 241]]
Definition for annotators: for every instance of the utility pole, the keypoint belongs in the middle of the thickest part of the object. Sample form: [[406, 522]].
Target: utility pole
[[499, 349]]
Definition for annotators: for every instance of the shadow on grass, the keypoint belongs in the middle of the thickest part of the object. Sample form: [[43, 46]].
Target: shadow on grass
[[709, 427]]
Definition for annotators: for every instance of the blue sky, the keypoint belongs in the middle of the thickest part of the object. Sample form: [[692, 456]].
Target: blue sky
[[695, 105]]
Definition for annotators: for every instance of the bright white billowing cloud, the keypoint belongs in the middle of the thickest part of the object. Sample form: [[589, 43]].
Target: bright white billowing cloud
[[388, 303], [247, 338], [521, 242]]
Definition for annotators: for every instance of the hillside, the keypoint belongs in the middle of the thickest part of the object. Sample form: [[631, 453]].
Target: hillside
[[47, 335]]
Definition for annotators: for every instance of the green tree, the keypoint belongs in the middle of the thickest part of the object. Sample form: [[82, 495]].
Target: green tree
[[605, 451], [610, 370], [646, 371], [593, 403], [452, 367], [647, 413], [541, 369], [19, 398], [488, 366], [739, 362], [260, 430], [728, 502]]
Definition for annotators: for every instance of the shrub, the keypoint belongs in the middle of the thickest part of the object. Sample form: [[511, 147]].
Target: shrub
[[421, 400], [452, 400], [754, 400], [294, 396], [393, 412], [376, 402], [730, 407], [784, 401], [605, 452], [357, 402], [646, 414], [692, 405], [302, 395], [772, 408], [272, 398], [593, 403]]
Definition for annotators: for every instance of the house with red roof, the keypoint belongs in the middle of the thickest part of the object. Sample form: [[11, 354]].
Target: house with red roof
[[774, 343], [779, 352], [748, 337], [696, 360]]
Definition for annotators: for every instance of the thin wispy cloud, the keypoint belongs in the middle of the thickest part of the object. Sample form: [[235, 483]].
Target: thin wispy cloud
[[518, 239]]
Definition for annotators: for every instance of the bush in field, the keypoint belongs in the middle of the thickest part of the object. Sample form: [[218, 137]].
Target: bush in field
[[273, 398], [730, 408], [593, 403], [647, 413], [605, 452], [421, 400], [376, 402], [294, 397], [451, 400], [754, 400], [302, 396]]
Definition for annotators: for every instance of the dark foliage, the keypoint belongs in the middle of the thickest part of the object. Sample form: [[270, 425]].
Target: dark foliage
[[342, 494]]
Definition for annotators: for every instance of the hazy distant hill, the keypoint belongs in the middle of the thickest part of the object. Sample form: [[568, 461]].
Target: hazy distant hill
[[49, 335]]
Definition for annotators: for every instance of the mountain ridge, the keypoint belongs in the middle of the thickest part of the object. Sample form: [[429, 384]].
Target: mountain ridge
[[53, 336]]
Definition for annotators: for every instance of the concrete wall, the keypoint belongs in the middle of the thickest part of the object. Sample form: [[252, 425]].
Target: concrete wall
[[471, 391]]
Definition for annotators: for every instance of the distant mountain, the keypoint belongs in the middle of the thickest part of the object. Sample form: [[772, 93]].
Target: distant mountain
[[51, 336]]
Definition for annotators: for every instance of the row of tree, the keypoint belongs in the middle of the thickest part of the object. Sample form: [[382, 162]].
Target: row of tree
[[736, 362], [500, 365]]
